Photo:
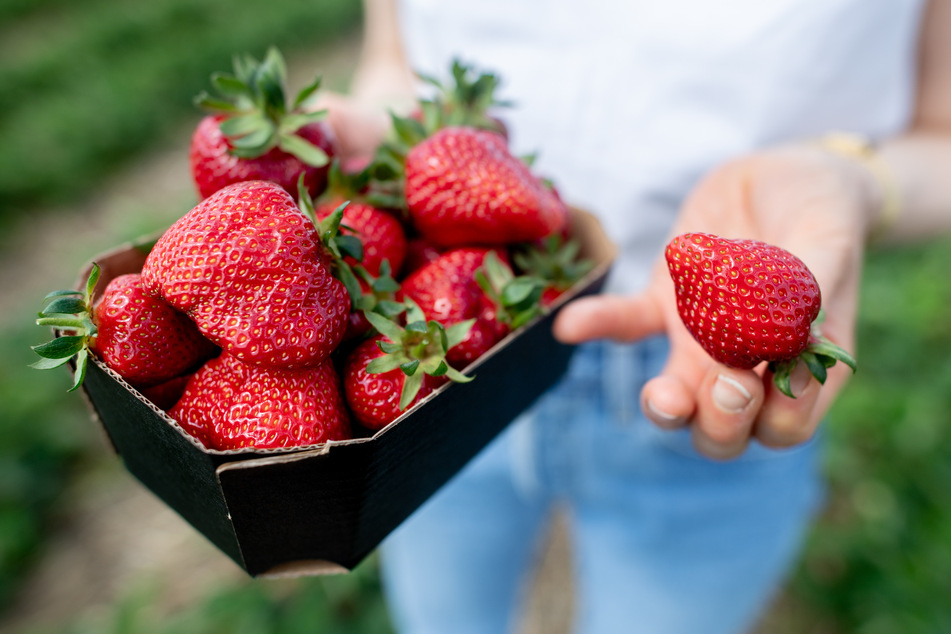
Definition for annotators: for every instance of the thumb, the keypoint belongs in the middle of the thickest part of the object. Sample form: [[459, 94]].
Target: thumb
[[618, 317]]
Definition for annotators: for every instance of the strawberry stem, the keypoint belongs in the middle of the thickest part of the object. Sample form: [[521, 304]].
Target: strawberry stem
[[68, 311]]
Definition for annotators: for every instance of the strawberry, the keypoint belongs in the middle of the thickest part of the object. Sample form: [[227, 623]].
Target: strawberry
[[141, 337], [473, 283], [462, 186], [166, 394], [419, 253], [228, 404], [254, 135], [554, 260], [748, 302], [380, 233], [251, 270], [388, 373]]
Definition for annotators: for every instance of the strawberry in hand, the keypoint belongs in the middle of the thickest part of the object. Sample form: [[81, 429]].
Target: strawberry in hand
[[747, 302], [802, 198], [254, 135]]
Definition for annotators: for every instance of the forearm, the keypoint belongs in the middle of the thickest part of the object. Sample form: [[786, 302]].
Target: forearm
[[920, 164], [382, 77]]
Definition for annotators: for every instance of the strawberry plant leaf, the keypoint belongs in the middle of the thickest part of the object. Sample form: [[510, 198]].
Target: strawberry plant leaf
[[520, 290], [411, 386], [213, 104], [294, 122], [49, 364], [82, 360], [350, 245], [457, 332], [417, 326], [816, 366], [389, 347], [304, 150], [306, 92], [258, 140], [826, 348], [61, 347], [62, 293], [409, 367], [92, 280], [243, 125], [384, 326], [456, 376], [383, 364], [389, 308], [64, 321], [229, 85], [64, 306]]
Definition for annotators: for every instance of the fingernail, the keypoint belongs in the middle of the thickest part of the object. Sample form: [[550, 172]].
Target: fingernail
[[663, 418], [799, 379], [730, 396]]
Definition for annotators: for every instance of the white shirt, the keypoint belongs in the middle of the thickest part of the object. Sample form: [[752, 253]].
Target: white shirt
[[628, 103]]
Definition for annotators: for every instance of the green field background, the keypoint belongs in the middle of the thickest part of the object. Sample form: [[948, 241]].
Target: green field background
[[86, 88]]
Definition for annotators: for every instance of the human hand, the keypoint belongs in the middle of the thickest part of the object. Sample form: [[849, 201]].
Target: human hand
[[813, 203], [358, 126]]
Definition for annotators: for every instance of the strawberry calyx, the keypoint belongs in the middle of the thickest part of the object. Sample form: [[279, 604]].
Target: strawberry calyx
[[465, 101], [555, 260], [387, 169], [382, 290], [257, 117], [819, 355], [418, 349], [517, 298], [70, 311], [339, 245]]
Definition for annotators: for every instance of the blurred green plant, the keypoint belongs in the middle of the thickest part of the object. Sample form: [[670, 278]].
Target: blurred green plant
[[85, 85], [46, 434], [880, 560], [344, 604]]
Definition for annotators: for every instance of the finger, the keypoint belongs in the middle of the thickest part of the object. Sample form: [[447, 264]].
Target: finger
[[667, 402], [728, 402], [618, 317], [784, 421]]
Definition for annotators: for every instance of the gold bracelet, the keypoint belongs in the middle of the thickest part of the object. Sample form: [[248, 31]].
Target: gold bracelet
[[862, 150]]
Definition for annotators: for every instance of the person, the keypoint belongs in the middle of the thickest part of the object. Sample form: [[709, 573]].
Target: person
[[662, 118]]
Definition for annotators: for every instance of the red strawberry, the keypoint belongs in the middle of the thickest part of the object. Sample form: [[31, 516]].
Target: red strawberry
[[380, 233], [165, 395], [386, 374], [374, 398], [215, 165], [473, 283], [231, 405], [464, 187], [141, 337], [250, 269], [254, 135], [747, 302], [419, 253]]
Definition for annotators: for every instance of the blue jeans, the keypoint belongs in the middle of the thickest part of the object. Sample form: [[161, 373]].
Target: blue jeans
[[664, 540]]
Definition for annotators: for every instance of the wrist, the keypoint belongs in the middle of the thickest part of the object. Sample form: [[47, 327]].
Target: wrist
[[881, 189]]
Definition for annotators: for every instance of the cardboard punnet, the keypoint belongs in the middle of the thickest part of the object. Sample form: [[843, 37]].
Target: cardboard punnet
[[323, 509]]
